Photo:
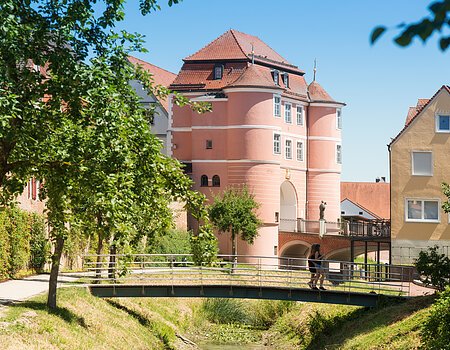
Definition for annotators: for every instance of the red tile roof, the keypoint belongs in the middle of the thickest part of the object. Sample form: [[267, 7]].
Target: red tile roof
[[234, 45], [318, 94], [373, 196], [412, 111], [195, 76], [255, 76], [421, 104], [160, 76]]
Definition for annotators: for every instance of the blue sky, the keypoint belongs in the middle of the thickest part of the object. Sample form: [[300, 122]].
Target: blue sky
[[378, 83]]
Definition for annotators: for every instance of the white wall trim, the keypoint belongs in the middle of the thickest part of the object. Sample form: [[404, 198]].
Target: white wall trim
[[250, 89], [293, 168], [208, 99], [180, 129], [326, 104], [325, 138], [258, 161], [247, 126], [324, 170]]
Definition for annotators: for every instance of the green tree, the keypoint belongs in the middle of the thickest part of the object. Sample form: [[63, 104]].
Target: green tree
[[436, 22], [435, 332], [434, 268], [76, 123], [234, 212]]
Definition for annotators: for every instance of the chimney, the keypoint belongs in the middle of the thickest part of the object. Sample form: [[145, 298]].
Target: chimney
[[377, 180], [383, 179]]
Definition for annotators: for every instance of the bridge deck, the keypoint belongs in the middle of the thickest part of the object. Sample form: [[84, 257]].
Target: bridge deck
[[252, 277], [245, 292]]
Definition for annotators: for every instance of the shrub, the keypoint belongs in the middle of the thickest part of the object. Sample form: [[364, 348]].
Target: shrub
[[434, 268], [171, 242], [265, 312], [259, 314], [39, 244], [19, 240], [4, 245], [435, 332], [22, 242], [225, 311]]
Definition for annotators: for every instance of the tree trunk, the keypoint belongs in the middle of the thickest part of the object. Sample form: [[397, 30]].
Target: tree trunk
[[53, 282], [99, 262], [234, 250], [112, 262], [98, 265]]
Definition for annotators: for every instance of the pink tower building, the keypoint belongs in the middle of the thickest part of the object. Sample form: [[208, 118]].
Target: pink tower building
[[268, 129]]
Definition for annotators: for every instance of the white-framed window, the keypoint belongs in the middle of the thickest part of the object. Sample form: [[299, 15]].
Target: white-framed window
[[286, 79], [300, 151], [287, 113], [338, 118], [276, 77], [276, 143], [288, 149], [218, 71], [339, 154], [442, 123], [422, 163], [299, 115], [277, 106], [422, 210]]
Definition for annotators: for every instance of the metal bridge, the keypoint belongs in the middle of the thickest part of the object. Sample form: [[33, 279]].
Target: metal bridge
[[253, 277]]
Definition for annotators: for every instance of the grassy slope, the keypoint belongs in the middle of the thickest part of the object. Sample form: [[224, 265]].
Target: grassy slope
[[87, 322], [319, 326]]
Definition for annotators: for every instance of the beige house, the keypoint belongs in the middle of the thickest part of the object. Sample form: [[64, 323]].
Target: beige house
[[420, 162]]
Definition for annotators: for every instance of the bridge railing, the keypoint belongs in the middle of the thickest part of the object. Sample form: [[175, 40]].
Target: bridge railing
[[374, 228], [260, 271]]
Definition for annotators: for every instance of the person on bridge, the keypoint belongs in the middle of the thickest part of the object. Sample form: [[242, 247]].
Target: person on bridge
[[316, 268]]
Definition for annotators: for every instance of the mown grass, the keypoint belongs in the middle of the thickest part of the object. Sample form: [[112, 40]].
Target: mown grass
[[319, 326], [86, 322]]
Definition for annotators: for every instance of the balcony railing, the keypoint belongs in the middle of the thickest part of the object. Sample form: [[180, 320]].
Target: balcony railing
[[343, 228]]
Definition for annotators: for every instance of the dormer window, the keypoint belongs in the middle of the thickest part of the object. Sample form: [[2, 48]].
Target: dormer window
[[286, 79], [276, 77], [218, 71]]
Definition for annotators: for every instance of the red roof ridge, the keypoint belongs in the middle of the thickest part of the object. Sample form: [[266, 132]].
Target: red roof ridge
[[191, 57], [419, 111], [284, 61], [140, 60], [237, 41]]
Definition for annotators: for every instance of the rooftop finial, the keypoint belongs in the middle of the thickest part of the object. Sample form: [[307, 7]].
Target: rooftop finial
[[253, 55], [315, 69]]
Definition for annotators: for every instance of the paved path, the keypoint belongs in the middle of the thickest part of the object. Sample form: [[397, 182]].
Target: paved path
[[18, 290]]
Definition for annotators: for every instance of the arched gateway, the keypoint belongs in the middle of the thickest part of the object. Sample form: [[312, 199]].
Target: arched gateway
[[288, 207]]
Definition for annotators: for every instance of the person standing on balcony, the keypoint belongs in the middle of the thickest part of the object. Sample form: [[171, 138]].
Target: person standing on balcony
[[316, 268]]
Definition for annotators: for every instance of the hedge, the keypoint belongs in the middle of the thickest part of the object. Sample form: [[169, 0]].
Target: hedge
[[23, 242]]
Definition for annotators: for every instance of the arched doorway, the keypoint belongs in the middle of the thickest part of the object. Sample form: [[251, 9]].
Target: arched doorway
[[288, 207], [294, 254]]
